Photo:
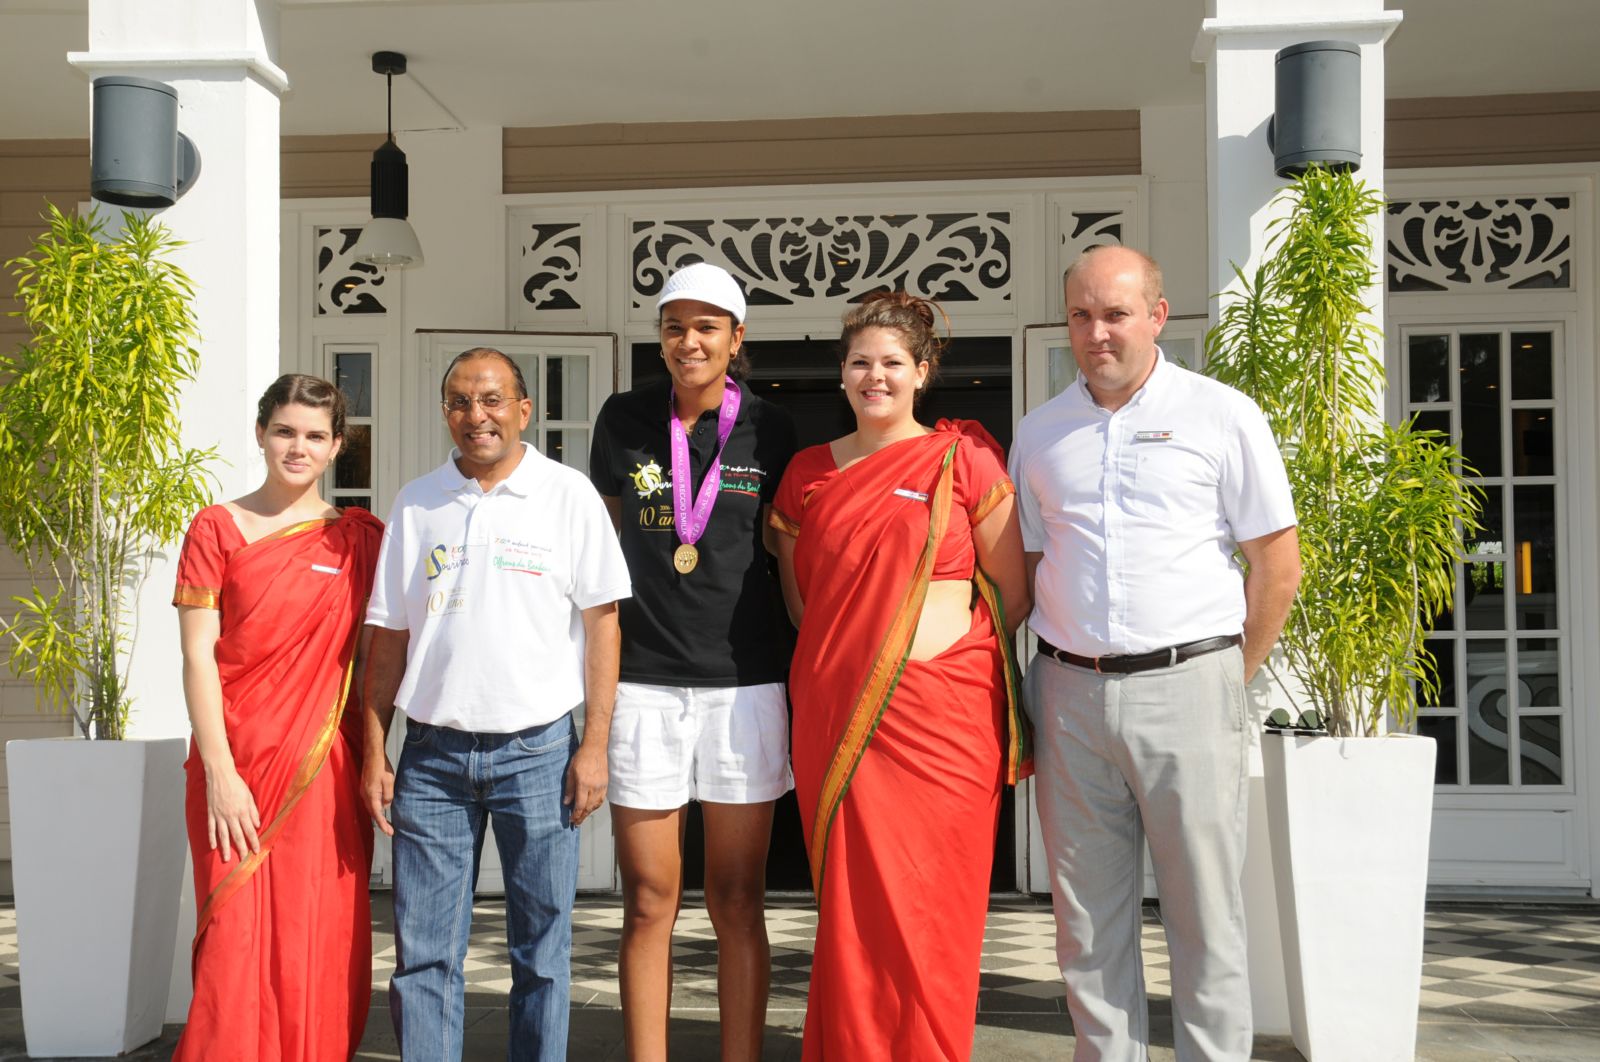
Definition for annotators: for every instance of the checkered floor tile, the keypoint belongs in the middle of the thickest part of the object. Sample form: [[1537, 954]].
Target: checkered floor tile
[[1523, 966], [1517, 965], [1512, 965], [8, 952]]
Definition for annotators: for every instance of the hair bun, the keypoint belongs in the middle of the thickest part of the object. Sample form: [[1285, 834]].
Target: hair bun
[[923, 308]]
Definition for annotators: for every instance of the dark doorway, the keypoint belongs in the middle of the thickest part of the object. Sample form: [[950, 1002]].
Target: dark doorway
[[803, 377]]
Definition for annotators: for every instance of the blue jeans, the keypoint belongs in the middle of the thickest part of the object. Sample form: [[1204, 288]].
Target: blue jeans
[[448, 785]]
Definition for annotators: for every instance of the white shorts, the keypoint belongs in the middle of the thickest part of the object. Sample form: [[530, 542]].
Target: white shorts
[[674, 744]]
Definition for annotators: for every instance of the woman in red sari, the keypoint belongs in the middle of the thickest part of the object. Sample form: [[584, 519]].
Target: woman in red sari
[[906, 719], [271, 590]]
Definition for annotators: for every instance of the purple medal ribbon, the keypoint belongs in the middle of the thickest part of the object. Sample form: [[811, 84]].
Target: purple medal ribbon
[[690, 519]]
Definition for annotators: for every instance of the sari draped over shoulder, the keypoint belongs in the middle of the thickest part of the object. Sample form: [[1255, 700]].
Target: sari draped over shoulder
[[898, 763], [283, 945]]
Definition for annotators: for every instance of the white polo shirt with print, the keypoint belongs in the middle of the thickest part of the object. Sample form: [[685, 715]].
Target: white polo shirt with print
[[1138, 511], [491, 587]]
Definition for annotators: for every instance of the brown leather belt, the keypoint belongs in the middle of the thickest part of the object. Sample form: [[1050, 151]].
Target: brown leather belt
[[1129, 663]]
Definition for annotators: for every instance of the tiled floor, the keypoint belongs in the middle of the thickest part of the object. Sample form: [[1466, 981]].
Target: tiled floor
[[1499, 982], [1528, 967]]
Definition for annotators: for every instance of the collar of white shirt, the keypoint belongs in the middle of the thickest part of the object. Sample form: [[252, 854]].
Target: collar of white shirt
[[1154, 384], [520, 482]]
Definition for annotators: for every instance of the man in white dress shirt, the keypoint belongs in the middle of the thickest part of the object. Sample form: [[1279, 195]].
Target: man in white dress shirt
[[1137, 487]]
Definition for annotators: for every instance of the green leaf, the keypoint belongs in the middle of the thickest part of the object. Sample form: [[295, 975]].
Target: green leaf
[[1383, 510], [94, 471]]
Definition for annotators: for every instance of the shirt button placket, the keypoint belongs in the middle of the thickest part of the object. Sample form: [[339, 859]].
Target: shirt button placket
[[1115, 604], [475, 535]]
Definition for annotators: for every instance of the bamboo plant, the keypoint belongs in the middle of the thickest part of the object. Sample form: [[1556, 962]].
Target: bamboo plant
[[93, 474], [1382, 508]]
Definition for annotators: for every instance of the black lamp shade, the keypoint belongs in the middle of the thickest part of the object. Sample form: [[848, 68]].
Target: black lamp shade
[[390, 197], [137, 157], [1318, 107]]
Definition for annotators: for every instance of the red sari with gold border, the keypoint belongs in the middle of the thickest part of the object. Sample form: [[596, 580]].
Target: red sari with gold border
[[898, 763], [283, 948]]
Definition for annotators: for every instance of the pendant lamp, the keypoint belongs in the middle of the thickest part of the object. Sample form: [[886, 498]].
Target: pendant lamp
[[388, 239]]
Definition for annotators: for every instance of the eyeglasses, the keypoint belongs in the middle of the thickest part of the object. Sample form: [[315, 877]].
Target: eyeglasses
[[1307, 722], [489, 403]]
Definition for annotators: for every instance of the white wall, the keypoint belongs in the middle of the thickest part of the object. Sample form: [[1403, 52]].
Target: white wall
[[1172, 148], [458, 212]]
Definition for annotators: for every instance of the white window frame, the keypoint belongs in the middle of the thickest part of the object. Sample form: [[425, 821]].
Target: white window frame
[[1491, 825]]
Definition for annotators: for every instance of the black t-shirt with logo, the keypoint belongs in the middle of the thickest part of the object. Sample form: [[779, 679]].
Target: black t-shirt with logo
[[721, 624]]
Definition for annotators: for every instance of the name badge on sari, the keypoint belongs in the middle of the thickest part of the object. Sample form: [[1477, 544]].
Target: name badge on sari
[[914, 495]]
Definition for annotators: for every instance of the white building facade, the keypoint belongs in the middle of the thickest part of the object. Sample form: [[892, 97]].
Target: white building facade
[[550, 239]]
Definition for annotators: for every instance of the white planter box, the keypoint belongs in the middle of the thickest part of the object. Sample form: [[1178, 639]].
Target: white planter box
[[1269, 1000], [97, 841], [1349, 819]]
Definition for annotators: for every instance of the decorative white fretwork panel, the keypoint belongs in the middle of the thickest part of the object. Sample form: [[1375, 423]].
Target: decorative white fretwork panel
[[553, 253], [554, 267], [344, 286], [1488, 243], [1083, 229], [1083, 220], [798, 261]]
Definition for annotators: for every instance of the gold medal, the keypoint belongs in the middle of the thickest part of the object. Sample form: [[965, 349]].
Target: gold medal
[[685, 558]]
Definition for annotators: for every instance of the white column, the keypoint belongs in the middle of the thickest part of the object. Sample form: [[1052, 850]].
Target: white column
[[1172, 149], [1239, 44], [217, 54]]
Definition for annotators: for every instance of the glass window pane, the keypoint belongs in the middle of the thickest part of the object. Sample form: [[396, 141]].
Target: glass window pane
[[529, 364], [345, 500], [567, 388], [1182, 350], [1530, 365], [1540, 749], [1063, 369], [1434, 420], [570, 446], [1441, 653], [1480, 402], [353, 466], [1442, 728], [1445, 621], [1538, 673], [1428, 368], [1487, 714], [1533, 518], [1491, 536], [645, 363], [1533, 442], [353, 370], [1485, 605]]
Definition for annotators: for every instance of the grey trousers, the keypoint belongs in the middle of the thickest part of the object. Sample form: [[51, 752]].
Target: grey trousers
[[1165, 751]]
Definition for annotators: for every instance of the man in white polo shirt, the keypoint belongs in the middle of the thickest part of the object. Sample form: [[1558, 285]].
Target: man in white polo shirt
[[494, 614], [1136, 486]]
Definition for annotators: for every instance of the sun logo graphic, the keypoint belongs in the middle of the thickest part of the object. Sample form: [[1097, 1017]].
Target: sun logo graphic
[[436, 561], [648, 480]]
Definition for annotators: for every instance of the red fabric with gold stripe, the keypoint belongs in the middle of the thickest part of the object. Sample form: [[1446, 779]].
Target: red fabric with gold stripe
[[283, 952], [901, 834]]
